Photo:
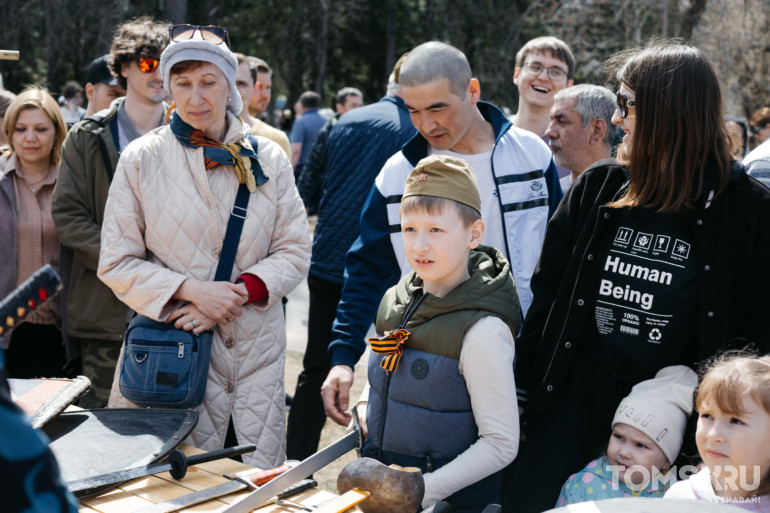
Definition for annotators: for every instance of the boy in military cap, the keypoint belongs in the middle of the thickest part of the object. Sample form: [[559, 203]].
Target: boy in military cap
[[441, 392]]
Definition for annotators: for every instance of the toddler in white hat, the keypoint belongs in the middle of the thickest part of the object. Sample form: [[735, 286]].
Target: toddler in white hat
[[647, 434]]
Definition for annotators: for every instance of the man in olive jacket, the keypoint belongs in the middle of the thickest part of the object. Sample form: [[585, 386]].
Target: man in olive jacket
[[95, 320]]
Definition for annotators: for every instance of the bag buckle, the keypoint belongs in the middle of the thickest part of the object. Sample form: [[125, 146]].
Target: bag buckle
[[241, 213]]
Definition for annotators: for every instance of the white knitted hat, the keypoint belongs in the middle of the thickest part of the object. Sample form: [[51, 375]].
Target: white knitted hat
[[659, 407], [197, 49]]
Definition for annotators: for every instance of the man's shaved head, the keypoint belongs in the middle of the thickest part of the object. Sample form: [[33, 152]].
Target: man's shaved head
[[433, 61]]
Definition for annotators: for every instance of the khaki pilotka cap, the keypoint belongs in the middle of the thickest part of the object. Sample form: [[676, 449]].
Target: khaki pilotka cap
[[446, 177]]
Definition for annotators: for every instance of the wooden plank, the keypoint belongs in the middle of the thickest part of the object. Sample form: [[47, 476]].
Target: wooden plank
[[345, 501], [116, 501], [225, 466]]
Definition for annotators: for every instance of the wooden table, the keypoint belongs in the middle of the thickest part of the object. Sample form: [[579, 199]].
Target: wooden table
[[141, 493]]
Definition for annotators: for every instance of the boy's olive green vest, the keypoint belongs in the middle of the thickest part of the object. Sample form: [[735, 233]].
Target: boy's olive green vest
[[420, 414], [489, 291]]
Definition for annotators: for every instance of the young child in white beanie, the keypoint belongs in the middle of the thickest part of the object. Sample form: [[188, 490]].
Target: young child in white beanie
[[647, 434]]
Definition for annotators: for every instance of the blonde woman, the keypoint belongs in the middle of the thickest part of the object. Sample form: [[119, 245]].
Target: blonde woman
[[35, 130]]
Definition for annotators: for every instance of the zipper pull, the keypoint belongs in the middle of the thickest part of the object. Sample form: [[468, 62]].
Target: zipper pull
[[181, 350], [428, 464]]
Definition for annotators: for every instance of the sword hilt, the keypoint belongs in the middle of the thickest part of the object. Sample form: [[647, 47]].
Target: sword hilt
[[180, 462]]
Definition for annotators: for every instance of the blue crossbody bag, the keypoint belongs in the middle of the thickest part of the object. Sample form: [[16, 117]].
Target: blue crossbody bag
[[165, 367]]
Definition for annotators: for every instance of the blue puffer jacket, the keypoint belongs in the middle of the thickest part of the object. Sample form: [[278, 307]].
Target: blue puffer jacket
[[358, 146]]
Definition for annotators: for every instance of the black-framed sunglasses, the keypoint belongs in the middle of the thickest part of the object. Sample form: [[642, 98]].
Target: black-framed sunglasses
[[210, 33], [623, 104]]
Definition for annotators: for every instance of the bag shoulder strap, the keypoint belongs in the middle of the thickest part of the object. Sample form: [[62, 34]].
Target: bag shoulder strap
[[235, 225], [102, 122], [105, 158]]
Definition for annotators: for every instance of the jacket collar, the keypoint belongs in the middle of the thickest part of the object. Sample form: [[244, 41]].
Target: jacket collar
[[12, 167], [489, 288], [737, 170], [711, 179], [103, 116], [417, 148], [392, 98]]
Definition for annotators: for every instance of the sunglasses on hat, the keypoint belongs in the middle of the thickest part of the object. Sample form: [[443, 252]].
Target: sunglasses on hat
[[146, 64], [210, 33], [623, 104]]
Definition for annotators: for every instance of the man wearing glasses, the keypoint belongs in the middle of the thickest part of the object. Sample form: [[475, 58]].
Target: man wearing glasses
[[544, 66], [96, 320]]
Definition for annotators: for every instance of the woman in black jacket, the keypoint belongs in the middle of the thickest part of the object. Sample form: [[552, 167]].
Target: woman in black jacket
[[658, 261]]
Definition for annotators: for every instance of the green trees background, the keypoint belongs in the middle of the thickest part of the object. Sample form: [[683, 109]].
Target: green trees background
[[324, 45]]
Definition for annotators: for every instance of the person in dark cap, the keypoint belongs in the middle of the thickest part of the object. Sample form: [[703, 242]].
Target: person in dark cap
[[102, 87]]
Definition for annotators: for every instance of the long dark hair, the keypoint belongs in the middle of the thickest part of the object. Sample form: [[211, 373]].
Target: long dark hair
[[679, 126]]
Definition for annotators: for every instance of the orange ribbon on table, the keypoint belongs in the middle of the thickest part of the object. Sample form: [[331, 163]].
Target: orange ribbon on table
[[392, 345]]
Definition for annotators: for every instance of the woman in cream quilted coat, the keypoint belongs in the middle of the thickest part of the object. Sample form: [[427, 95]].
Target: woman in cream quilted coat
[[164, 226]]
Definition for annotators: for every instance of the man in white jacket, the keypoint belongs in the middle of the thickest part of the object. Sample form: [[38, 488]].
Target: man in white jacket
[[515, 173]]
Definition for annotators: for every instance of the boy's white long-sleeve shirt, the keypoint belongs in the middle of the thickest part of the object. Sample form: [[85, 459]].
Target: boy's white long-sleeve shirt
[[486, 363]]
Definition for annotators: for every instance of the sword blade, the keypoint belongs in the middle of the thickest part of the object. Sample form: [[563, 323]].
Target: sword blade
[[306, 467], [194, 498]]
